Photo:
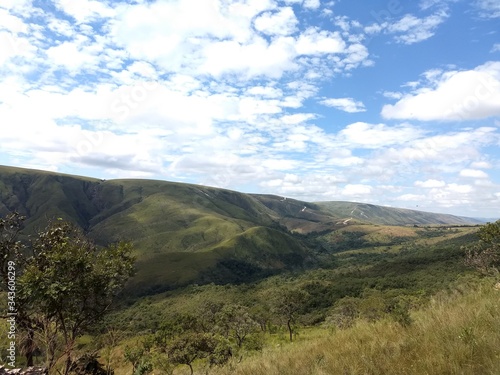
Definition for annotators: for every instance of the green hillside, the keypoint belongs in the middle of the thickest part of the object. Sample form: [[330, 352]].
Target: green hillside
[[186, 233], [182, 233], [389, 215]]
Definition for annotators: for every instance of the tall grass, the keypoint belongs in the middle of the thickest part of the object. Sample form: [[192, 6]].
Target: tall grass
[[458, 333]]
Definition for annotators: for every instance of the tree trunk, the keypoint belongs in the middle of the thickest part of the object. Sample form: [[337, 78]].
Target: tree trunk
[[290, 330], [30, 344], [191, 368], [68, 365]]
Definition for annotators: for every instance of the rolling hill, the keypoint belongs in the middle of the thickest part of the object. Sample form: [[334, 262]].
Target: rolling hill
[[187, 233]]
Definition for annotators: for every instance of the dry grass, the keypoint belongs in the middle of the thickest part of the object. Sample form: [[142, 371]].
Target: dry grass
[[458, 333]]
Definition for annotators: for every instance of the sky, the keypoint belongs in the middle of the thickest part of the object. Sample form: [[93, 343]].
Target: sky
[[392, 102]]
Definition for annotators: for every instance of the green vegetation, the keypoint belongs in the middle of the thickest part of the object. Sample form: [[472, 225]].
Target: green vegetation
[[230, 283], [389, 216], [57, 287], [456, 333], [485, 255]]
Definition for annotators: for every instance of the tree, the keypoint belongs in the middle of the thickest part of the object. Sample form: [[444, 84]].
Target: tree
[[190, 346], [65, 284], [235, 321], [287, 304], [485, 255], [140, 357]]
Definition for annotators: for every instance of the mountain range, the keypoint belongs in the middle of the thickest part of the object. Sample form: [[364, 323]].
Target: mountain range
[[186, 233]]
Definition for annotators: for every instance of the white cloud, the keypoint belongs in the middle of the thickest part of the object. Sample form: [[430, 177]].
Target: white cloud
[[314, 41], [356, 54], [356, 190], [281, 22], [473, 173], [12, 46], [322, 186], [85, 10], [231, 57], [18, 6], [223, 39], [428, 184], [184, 34], [62, 27], [297, 118], [442, 197], [411, 29], [11, 23], [452, 147], [73, 56], [265, 91], [453, 95], [344, 104], [312, 4], [392, 95], [412, 197], [488, 8], [361, 134], [495, 48], [481, 164], [220, 96]]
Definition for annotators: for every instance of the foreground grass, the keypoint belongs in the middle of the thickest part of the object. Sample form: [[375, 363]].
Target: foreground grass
[[458, 333]]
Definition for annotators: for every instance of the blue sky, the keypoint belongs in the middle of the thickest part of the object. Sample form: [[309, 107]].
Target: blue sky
[[390, 102]]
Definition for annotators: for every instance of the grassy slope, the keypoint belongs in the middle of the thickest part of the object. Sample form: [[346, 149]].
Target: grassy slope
[[255, 253], [388, 215], [299, 216], [455, 334], [182, 233], [168, 217], [44, 195]]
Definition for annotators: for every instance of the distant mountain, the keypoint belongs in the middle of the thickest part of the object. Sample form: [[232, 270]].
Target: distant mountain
[[188, 233], [487, 219], [392, 216]]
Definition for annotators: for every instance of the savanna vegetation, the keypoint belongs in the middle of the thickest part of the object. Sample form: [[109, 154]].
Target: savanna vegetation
[[241, 284], [419, 307]]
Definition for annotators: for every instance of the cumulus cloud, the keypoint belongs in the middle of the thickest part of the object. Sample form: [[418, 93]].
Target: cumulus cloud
[[356, 190], [366, 135], [251, 39], [314, 41], [220, 97], [312, 4], [473, 173], [344, 104], [452, 95], [281, 22]]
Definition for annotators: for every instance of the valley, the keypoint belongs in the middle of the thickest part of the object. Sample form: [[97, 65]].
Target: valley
[[255, 272]]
